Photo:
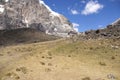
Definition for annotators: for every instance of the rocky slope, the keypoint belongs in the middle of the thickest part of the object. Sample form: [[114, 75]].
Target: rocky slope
[[111, 31], [33, 14]]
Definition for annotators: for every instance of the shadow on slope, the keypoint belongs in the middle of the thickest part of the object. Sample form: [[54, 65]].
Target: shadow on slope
[[23, 35]]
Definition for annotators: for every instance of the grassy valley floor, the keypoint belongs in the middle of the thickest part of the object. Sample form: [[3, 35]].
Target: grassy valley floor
[[61, 60]]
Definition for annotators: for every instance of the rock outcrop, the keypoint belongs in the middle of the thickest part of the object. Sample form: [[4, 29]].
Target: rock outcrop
[[33, 14], [111, 31]]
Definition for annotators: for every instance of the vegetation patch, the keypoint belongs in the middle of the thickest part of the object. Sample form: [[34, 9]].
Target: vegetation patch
[[11, 76], [42, 63], [86, 78], [102, 63], [22, 69]]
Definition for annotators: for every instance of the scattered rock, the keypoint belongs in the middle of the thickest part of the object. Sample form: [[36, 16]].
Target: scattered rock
[[114, 47], [111, 77]]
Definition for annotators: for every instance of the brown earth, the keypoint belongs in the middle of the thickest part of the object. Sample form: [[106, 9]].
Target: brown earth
[[61, 60]]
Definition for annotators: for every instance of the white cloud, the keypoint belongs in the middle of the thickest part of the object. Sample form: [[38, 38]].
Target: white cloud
[[75, 26], [83, 1], [100, 26], [92, 7], [74, 12], [68, 8], [53, 5]]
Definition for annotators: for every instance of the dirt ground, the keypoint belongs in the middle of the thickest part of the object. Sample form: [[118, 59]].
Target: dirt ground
[[61, 60]]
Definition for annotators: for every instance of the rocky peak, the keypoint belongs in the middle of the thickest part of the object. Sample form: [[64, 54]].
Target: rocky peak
[[34, 14]]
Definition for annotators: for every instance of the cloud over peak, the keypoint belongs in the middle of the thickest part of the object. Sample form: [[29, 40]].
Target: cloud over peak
[[92, 7], [75, 26], [74, 12], [83, 1]]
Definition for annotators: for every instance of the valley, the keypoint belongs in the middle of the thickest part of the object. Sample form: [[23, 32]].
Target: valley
[[61, 60]]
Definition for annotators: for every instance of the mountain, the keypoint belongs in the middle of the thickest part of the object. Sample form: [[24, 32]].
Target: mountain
[[33, 14], [111, 31]]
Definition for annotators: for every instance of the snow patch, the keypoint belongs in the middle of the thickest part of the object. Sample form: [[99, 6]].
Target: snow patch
[[116, 21], [6, 0], [2, 8], [52, 12], [26, 21]]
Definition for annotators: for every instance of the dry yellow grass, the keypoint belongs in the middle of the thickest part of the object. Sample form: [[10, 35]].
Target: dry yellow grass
[[61, 60]]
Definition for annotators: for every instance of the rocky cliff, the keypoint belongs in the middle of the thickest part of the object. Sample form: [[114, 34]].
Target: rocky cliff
[[33, 14]]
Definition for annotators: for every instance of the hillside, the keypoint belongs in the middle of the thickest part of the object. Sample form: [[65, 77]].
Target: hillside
[[110, 31], [62, 60], [22, 36]]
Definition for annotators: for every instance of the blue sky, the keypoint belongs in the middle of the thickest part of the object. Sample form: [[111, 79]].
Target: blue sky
[[87, 14]]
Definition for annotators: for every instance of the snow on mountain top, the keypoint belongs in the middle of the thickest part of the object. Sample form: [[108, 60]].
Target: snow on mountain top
[[116, 21], [52, 12]]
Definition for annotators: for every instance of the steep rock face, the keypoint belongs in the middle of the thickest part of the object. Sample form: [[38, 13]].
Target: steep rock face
[[33, 14]]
